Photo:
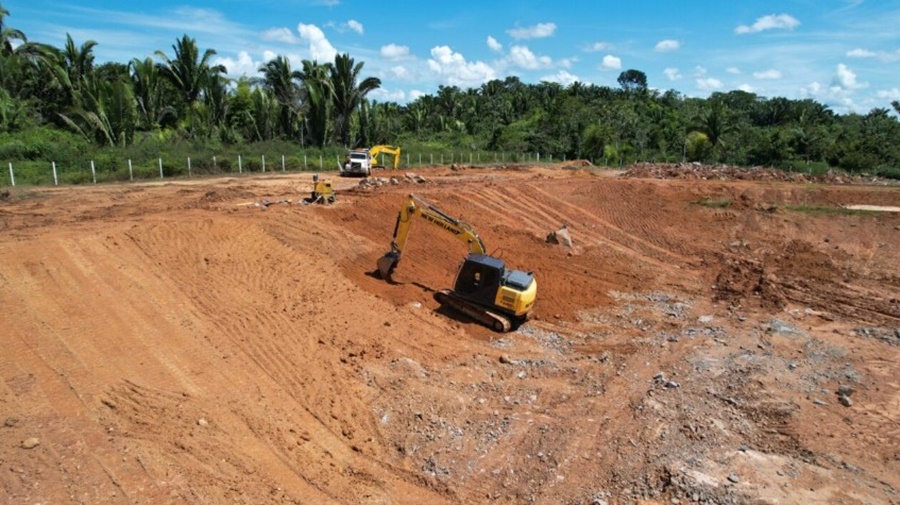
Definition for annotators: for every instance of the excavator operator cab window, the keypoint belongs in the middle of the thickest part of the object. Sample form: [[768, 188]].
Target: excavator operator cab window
[[478, 281]]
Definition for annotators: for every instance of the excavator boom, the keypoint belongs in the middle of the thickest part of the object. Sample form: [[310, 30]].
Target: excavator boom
[[414, 205]]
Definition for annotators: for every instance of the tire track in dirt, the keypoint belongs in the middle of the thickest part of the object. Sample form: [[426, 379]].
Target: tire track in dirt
[[634, 243], [258, 267]]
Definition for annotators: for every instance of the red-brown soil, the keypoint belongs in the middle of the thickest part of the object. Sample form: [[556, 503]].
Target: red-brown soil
[[213, 341]]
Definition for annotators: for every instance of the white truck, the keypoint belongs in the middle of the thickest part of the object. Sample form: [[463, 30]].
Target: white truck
[[358, 162]]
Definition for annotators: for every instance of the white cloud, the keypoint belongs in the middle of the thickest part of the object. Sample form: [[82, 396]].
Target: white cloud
[[416, 94], [884, 56], [889, 94], [494, 45], [733, 70], [567, 62], [319, 47], [400, 72], [699, 71], [845, 78], [709, 84], [561, 77], [668, 45], [270, 55], [672, 74], [814, 89], [611, 62], [522, 57], [385, 95], [280, 35], [355, 25], [747, 88], [538, 31], [598, 46], [454, 68], [861, 53], [243, 65], [770, 22], [393, 52], [768, 74]]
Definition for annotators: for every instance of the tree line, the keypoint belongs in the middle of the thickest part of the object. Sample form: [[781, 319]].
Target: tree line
[[181, 96]]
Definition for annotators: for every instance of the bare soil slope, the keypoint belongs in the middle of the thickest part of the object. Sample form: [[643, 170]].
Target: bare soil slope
[[706, 340]]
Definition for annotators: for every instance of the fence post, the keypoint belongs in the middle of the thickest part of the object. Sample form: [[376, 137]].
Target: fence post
[[55, 179], [305, 165], [321, 163], [432, 159], [215, 165], [240, 167], [93, 172], [160, 169], [282, 163], [130, 171], [190, 174], [12, 176], [264, 163]]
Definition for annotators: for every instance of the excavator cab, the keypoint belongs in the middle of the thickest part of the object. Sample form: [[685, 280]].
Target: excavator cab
[[485, 280], [478, 278]]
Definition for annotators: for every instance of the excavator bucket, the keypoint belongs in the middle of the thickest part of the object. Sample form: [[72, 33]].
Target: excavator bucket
[[387, 264]]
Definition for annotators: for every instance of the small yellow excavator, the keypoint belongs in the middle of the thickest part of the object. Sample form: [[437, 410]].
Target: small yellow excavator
[[322, 192], [485, 290]]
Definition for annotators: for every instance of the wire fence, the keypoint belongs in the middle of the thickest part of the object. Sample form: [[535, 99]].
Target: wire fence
[[33, 173]]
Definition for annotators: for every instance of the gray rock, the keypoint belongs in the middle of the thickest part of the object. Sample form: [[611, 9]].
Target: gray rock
[[30, 443], [845, 401], [845, 390], [734, 478]]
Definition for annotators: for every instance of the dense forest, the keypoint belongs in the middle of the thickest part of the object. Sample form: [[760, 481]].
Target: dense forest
[[56, 103]]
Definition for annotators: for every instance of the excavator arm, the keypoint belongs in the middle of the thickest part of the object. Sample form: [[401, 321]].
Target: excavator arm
[[414, 205], [395, 151]]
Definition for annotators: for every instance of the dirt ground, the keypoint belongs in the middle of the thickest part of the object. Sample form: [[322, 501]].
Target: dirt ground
[[705, 340]]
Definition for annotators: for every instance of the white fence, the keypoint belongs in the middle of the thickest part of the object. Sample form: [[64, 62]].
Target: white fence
[[418, 159]]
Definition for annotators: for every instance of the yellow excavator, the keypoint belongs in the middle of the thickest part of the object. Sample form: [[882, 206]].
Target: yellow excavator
[[395, 151], [485, 289]]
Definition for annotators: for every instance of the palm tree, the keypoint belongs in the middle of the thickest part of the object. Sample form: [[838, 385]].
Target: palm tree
[[78, 61], [713, 122], [188, 71], [279, 79], [147, 82], [348, 92], [317, 94], [105, 112], [8, 35]]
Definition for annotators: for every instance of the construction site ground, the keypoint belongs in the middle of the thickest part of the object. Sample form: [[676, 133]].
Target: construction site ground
[[711, 336]]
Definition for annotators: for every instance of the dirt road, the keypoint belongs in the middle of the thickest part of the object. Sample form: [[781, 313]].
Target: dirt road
[[213, 341]]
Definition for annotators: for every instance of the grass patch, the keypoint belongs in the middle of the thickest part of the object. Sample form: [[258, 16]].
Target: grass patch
[[829, 211], [715, 204]]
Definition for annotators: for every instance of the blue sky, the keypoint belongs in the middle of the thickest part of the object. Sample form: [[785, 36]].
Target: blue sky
[[843, 53]]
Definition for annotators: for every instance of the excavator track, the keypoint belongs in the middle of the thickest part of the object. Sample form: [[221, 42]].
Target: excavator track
[[493, 320]]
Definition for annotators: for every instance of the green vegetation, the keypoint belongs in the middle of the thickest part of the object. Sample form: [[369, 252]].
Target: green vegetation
[[57, 105], [715, 204], [829, 211]]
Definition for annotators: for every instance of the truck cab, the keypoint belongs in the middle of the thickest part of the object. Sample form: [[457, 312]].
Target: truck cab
[[358, 162]]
